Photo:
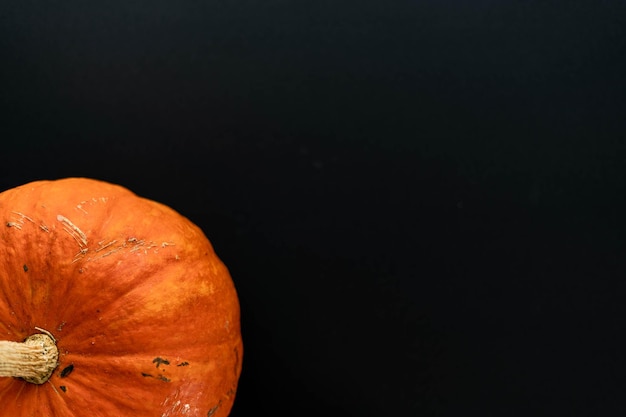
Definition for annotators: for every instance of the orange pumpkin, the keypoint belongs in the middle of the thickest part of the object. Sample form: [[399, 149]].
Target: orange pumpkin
[[111, 305]]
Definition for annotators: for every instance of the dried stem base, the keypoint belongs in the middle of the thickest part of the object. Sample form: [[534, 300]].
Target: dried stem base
[[33, 360]]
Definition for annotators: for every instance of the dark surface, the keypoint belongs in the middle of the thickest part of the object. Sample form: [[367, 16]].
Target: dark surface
[[421, 203]]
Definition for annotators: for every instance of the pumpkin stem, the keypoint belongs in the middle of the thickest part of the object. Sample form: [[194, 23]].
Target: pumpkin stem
[[33, 360]]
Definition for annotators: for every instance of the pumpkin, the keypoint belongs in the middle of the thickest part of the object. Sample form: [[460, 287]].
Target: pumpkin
[[111, 305]]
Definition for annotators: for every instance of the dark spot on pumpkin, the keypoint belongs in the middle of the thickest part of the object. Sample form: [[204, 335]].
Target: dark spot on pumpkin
[[214, 409], [146, 375], [160, 361], [63, 388], [237, 359], [162, 378], [183, 363], [66, 371], [25, 268]]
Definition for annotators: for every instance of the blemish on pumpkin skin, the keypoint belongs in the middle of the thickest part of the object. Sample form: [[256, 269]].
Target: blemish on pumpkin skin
[[25, 268], [63, 388], [237, 359], [160, 361], [159, 377], [66, 371], [214, 409]]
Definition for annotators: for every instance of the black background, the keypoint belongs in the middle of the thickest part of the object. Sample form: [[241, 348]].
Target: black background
[[421, 202]]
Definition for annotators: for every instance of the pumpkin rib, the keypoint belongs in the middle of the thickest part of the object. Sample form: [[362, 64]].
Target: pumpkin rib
[[122, 309], [138, 278], [44, 400], [82, 389], [5, 327], [53, 398]]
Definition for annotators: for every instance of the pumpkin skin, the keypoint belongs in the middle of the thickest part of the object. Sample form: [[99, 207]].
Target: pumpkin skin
[[145, 315]]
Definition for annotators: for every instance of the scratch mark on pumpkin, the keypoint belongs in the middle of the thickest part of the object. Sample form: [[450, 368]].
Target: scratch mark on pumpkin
[[73, 230], [23, 217], [179, 408], [77, 234], [104, 246], [74, 236], [81, 253], [18, 223], [85, 203], [80, 207], [137, 243], [14, 224], [112, 251]]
